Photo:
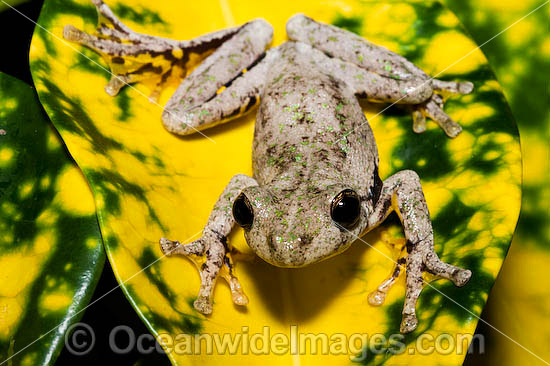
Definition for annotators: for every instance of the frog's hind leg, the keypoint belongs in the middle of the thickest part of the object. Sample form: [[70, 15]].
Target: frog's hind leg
[[350, 47], [403, 194], [227, 84], [134, 57], [379, 74]]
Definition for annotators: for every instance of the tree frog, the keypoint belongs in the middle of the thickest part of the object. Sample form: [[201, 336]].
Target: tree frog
[[315, 187]]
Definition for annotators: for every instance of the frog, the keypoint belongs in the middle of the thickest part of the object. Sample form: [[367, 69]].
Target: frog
[[315, 187]]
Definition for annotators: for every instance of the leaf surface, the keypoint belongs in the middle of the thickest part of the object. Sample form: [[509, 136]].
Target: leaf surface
[[51, 252]]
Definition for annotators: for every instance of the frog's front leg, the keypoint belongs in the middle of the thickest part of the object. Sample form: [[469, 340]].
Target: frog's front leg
[[403, 194], [213, 247], [379, 74]]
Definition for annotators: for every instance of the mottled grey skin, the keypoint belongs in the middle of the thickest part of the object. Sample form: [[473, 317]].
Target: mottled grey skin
[[311, 142]]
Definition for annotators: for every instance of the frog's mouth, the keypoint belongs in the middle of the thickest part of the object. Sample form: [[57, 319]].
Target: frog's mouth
[[299, 251]]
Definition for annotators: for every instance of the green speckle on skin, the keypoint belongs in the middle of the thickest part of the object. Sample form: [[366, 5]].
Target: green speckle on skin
[[298, 157], [332, 39], [387, 67], [360, 58], [297, 115], [324, 105], [339, 107], [359, 76], [232, 58]]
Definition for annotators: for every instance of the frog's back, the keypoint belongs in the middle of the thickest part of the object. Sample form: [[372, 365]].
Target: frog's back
[[310, 125]]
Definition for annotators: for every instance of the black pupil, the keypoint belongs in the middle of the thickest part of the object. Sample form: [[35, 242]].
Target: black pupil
[[242, 212], [346, 208]]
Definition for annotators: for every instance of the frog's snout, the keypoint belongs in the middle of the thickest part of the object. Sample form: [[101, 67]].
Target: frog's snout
[[288, 251]]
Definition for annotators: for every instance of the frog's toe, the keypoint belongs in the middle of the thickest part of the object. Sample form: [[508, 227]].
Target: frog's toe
[[169, 247], [462, 277], [433, 109], [203, 305], [453, 87], [459, 276], [419, 121], [409, 323], [466, 87]]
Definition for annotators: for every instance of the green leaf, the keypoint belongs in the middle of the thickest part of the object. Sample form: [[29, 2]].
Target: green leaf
[[520, 56], [51, 252], [149, 183]]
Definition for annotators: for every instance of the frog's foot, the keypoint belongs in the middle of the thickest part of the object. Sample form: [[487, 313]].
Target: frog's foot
[[422, 258], [133, 56], [210, 254], [433, 107], [402, 192]]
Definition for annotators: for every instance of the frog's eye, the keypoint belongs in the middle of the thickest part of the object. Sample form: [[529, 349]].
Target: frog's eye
[[346, 208], [242, 212]]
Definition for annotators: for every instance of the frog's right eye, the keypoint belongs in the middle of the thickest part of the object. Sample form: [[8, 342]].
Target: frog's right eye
[[242, 212], [346, 209]]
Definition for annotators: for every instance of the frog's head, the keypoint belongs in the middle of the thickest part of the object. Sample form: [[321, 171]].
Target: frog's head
[[294, 228]]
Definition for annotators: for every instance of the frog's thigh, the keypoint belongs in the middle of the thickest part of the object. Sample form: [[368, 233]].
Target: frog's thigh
[[343, 44], [228, 103], [402, 193], [373, 86]]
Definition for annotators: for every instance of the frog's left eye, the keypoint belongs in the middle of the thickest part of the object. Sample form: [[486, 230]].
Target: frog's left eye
[[242, 212], [346, 208]]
